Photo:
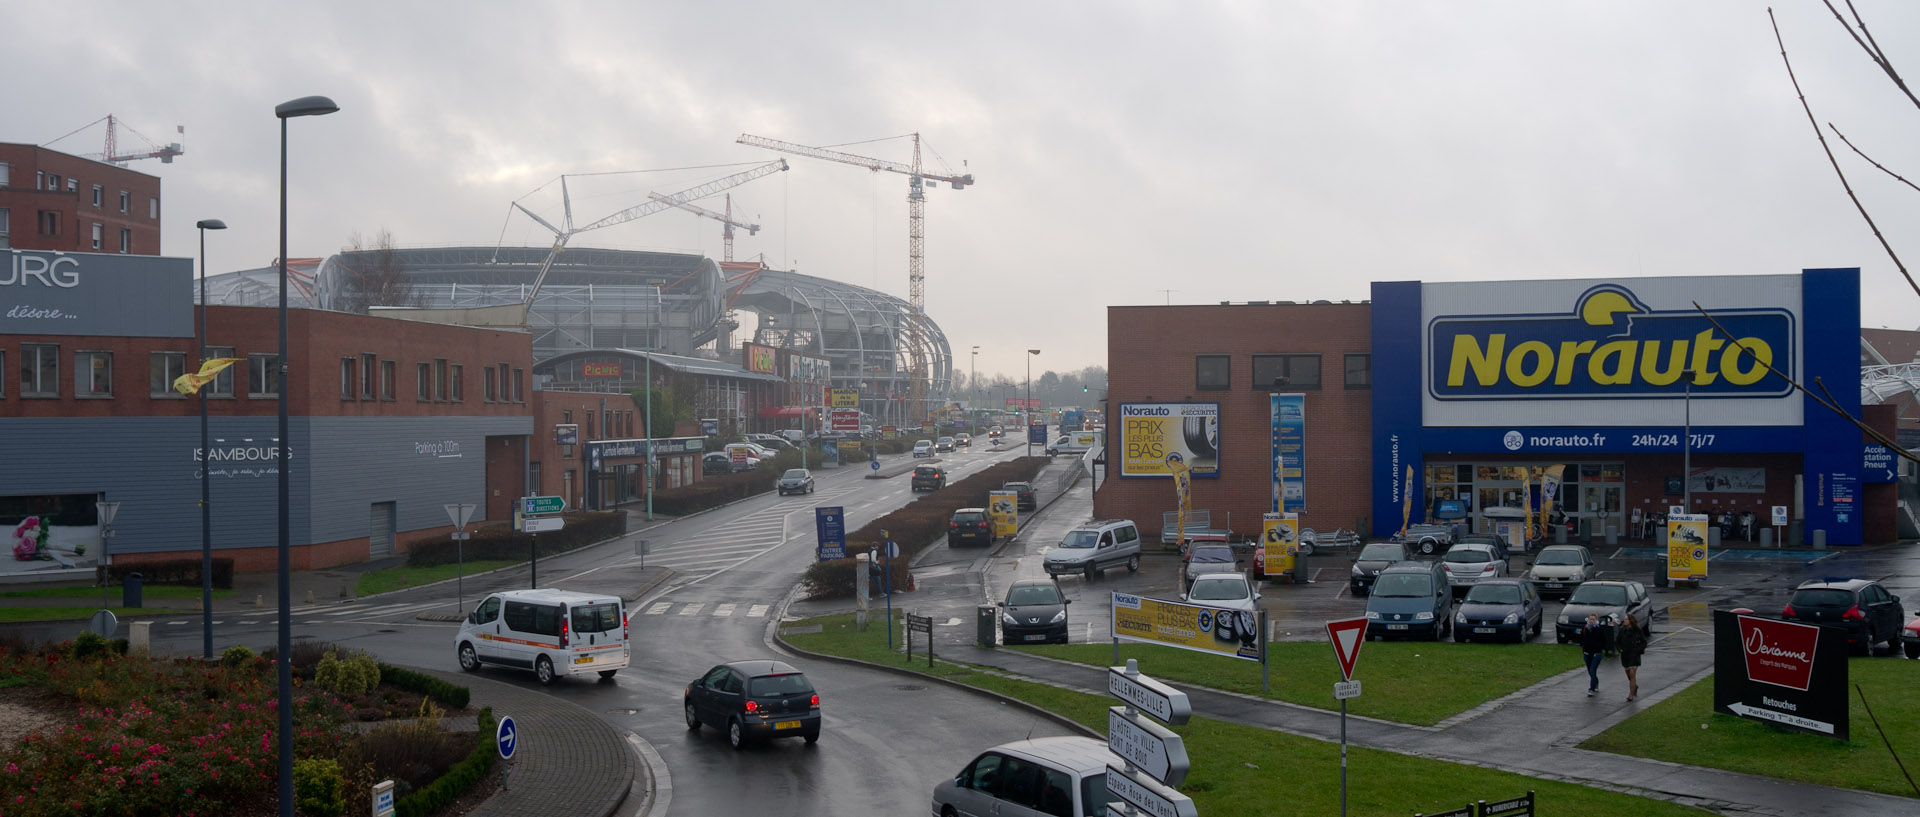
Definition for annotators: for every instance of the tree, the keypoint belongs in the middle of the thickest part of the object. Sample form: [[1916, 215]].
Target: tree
[[668, 410], [375, 276]]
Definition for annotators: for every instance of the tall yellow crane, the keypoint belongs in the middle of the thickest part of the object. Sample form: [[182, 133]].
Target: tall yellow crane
[[916, 240]]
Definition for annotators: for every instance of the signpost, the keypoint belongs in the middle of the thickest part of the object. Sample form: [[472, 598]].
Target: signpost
[[460, 513], [506, 737], [1153, 748], [918, 624], [529, 506], [1347, 635], [542, 504], [1154, 757], [545, 524], [1784, 673], [830, 533]]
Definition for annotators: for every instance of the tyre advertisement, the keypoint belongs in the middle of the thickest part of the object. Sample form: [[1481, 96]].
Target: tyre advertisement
[[1279, 543], [1153, 434], [1232, 633], [1003, 507], [1687, 547], [1289, 417]]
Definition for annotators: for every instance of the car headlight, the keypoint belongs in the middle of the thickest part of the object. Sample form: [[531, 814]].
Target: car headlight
[[1007, 618], [1460, 617], [1358, 572], [1566, 619], [1423, 615], [1372, 615], [1059, 617], [1512, 618], [1529, 576]]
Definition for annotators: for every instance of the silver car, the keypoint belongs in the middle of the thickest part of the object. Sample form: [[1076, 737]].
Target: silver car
[[796, 481], [1468, 563], [1205, 559], [1030, 778], [1561, 568]]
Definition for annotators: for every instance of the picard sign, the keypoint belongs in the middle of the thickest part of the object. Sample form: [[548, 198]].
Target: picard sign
[[53, 293]]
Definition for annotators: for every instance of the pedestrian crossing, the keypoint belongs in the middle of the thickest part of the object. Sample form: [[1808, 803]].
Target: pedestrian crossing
[[398, 612], [694, 608]]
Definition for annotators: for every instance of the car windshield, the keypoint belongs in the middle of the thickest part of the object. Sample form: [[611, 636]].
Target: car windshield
[[923, 444], [1494, 594], [791, 683], [946, 439], [1017, 486], [795, 473], [926, 471], [1080, 539], [1556, 556], [1218, 590], [1382, 553], [1023, 594], [966, 518], [1213, 553], [1403, 585], [1822, 597], [1610, 595], [1468, 555]]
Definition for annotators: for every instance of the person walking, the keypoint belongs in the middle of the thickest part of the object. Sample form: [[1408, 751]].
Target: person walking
[[1632, 642], [1593, 647]]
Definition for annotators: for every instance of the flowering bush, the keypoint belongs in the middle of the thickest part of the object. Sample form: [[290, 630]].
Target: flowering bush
[[30, 537]]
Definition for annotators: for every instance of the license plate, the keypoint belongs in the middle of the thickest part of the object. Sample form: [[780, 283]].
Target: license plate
[[786, 725], [1483, 629], [1554, 585], [585, 659], [1034, 638], [1396, 626]]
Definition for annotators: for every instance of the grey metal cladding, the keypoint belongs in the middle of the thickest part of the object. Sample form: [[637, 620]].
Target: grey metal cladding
[[45, 292], [419, 463]]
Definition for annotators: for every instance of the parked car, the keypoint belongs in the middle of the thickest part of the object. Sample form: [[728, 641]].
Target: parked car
[[1034, 611], [1910, 638], [1611, 601], [923, 448], [1234, 617], [1204, 558], [1372, 558], [1498, 608], [796, 481], [1029, 778], [1862, 607], [1468, 564], [1411, 600], [754, 700], [963, 440], [1498, 543], [943, 444], [555, 633], [716, 464], [1427, 539], [1561, 568], [1094, 547], [1024, 500], [929, 478], [970, 526], [773, 442]]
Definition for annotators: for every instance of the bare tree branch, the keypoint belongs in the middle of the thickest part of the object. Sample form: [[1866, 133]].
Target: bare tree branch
[[1822, 136], [1859, 153], [1870, 46]]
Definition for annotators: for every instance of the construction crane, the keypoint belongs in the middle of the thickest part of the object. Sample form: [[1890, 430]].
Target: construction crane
[[916, 240], [562, 235], [164, 153], [724, 218]]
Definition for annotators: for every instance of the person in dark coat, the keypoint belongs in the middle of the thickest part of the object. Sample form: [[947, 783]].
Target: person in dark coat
[[1593, 647], [1632, 642]]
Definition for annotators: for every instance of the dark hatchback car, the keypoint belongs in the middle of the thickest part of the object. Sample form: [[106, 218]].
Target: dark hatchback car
[[1025, 491], [1034, 611], [1499, 609], [1611, 601], [754, 700], [970, 526], [1865, 609], [1411, 600], [929, 478], [1372, 559]]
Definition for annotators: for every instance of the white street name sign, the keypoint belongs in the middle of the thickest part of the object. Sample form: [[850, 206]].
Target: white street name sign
[[1149, 746], [1148, 796], [1168, 705], [1746, 711], [1343, 690]]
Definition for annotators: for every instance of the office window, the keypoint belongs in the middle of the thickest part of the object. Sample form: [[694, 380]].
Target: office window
[[126, 201], [458, 385], [6, 228], [49, 223], [386, 380], [73, 185], [263, 375], [6, 174], [55, 178], [126, 241], [99, 232], [439, 379], [1359, 371], [347, 367], [153, 207], [92, 374], [99, 192], [489, 384], [519, 393], [3, 369], [162, 369], [1212, 372], [222, 383], [39, 370], [367, 370], [566, 451], [1299, 372], [39, 180]]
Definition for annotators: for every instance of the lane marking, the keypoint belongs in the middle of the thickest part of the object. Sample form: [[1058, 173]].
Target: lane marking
[[723, 610], [757, 611], [692, 608], [659, 608]]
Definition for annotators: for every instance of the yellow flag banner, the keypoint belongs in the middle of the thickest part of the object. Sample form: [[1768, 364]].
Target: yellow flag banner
[[190, 383], [1406, 510]]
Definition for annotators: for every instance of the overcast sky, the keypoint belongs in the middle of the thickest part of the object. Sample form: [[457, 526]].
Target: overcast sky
[[1125, 153]]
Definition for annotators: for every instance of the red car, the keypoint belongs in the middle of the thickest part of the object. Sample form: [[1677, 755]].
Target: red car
[[1910, 638]]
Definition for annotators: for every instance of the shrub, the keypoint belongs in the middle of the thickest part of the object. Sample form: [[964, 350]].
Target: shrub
[[353, 674], [436, 795], [235, 656], [185, 572], [318, 788], [90, 645], [452, 695], [498, 540], [412, 752]]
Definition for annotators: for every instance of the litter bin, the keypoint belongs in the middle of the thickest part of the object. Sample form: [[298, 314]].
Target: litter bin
[[130, 590], [1559, 534], [1613, 535], [1766, 537], [983, 625], [1299, 568], [1660, 573]]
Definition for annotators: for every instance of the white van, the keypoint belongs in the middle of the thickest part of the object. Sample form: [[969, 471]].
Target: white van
[[552, 632]]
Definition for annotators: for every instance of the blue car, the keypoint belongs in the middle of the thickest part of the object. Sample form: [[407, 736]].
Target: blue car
[[1499, 609], [1410, 600]]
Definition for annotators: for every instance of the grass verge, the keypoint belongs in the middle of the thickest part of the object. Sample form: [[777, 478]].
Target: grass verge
[[400, 578], [1673, 730], [152, 591], [1242, 770], [79, 613]]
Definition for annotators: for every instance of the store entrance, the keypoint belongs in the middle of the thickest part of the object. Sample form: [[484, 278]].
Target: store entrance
[[1592, 494]]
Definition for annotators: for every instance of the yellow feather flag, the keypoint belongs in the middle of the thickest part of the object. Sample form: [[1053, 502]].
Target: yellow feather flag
[[1406, 511], [191, 383]]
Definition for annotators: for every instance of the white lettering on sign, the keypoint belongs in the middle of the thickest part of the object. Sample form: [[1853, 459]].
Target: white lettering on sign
[[1757, 645], [50, 272], [28, 312], [1145, 411], [1787, 705], [442, 448], [1396, 470]]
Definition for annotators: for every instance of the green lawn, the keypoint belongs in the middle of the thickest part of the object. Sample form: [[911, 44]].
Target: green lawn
[[1685, 729], [1242, 770], [152, 591], [398, 578], [78, 613], [1402, 679]]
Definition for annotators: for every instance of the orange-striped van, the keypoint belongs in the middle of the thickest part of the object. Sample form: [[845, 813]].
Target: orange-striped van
[[552, 632]]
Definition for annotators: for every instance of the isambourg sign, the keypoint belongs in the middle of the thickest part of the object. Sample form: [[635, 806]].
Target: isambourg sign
[[43, 292], [1782, 673]]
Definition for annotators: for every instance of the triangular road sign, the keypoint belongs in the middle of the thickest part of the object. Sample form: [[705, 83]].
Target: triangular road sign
[[1347, 635]]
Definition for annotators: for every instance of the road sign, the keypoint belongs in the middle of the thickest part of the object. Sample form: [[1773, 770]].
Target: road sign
[[1148, 796], [544, 524], [875, 465], [506, 737], [1152, 748], [460, 513], [103, 624], [542, 504], [843, 419], [1163, 702], [1780, 517], [1343, 690], [1877, 464], [1347, 635]]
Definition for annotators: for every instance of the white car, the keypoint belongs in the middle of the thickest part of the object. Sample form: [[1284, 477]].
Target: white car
[[555, 633], [1229, 591], [1038, 776], [1468, 563], [1561, 568], [923, 448]]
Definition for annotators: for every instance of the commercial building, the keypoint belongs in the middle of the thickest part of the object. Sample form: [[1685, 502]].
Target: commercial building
[[56, 201]]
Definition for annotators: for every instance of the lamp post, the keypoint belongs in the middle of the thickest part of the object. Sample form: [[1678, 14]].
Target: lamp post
[[206, 506], [1686, 445], [304, 106], [651, 468], [1027, 410], [973, 392]]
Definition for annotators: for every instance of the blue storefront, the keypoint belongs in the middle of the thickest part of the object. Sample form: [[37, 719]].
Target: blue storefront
[[1479, 384]]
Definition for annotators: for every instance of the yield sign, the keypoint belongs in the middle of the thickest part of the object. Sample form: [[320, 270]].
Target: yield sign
[[1347, 635]]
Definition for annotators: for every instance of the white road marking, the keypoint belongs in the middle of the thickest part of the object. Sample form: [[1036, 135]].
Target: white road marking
[[175, 622], [757, 611], [659, 608], [692, 609], [723, 610]]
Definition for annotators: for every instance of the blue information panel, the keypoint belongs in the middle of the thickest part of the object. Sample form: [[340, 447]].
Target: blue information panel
[[1843, 494], [1289, 420], [1877, 464], [1037, 434], [830, 525]]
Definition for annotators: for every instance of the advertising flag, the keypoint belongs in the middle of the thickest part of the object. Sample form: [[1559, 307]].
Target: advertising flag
[[191, 382], [1406, 510], [1526, 506]]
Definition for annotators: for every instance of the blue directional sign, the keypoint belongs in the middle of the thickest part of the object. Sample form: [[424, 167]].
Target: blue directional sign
[[830, 525], [1037, 433], [506, 736], [1877, 464], [875, 465]]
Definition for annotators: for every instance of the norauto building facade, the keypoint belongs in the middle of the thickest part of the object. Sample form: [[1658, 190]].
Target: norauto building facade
[[1454, 391]]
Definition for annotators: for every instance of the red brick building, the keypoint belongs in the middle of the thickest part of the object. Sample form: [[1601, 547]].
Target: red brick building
[[55, 201]]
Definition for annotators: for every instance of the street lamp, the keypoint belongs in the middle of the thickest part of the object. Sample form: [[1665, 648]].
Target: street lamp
[[1686, 444], [973, 392], [304, 106], [206, 507], [1027, 410]]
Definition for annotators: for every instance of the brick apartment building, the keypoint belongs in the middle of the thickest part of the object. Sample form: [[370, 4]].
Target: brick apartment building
[[55, 201]]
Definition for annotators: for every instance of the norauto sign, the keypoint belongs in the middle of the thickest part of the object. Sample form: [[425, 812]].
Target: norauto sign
[[1780, 672]]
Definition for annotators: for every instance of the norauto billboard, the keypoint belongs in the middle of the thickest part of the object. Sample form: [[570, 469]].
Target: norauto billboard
[[1780, 672], [1153, 433]]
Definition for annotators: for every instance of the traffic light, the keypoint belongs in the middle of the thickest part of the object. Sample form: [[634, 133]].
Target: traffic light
[[1083, 388]]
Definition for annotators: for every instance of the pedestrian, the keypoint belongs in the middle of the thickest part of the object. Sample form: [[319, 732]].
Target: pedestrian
[[1593, 647], [1632, 643]]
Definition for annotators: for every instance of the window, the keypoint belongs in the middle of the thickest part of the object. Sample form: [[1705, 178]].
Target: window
[[99, 193], [263, 375], [126, 240], [566, 451], [519, 394], [457, 384], [153, 207], [222, 384], [347, 367], [506, 375], [367, 364], [1359, 371], [1299, 372], [49, 223], [93, 374], [6, 174], [39, 180], [99, 232], [39, 370], [6, 228], [386, 380], [126, 200], [55, 178], [3, 369], [439, 379], [1212, 372], [73, 185], [162, 369], [489, 384], [423, 388]]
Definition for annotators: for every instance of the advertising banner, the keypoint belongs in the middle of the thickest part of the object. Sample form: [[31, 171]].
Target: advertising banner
[[611, 369], [843, 398], [1279, 543], [1232, 633], [1727, 480], [830, 533], [927, 428], [1153, 434], [1289, 419], [1782, 673], [1687, 547], [1004, 508], [759, 358]]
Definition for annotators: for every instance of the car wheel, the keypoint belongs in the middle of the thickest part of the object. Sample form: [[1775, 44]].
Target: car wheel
[[947, 811], [1133, 563], [543, 670], [1913, 650], [607, 674], [812, 737], [1460, 637], [468, 660], [693, 718], [1426, 547], [1092, 572], [736, 734]]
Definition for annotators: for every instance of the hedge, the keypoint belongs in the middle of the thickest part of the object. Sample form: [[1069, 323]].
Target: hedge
[[448, 787], [453, 695], [498, 540], [184, 572]]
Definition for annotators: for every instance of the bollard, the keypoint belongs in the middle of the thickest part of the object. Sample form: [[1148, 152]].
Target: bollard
[[1819, 538], [1766, 537], [309, 596], [139, 636], [259, 601]]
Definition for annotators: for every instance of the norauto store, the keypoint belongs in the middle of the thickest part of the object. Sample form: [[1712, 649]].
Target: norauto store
[[1459, 390]]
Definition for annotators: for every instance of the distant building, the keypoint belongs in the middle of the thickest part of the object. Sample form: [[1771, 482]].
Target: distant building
[[56, 201]]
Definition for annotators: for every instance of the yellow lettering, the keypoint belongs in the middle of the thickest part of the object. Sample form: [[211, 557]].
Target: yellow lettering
[[1622, 352], [1466, 352], [1676, 363], [1758, 354], [1570, 352], [1543, 364], [1703, 346]]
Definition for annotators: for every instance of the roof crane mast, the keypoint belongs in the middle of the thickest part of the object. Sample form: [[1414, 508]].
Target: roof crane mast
[[916, 240], [112, 154], [724, 218]]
